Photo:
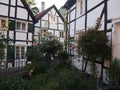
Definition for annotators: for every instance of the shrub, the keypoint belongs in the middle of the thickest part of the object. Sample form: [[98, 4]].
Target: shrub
[[113, 72], [93, 43], [63, 78], [37, 67], [63, 56]]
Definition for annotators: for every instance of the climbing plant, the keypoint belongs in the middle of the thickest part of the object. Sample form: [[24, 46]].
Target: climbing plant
[[1, 46]]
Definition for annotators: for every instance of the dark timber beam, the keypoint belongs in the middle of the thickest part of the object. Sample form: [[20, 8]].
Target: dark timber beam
[[85, 15], [105, 16], [93, 8]]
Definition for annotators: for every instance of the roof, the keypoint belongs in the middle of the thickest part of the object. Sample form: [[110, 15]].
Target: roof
[[29, 11], [69, 3], [41, 14]]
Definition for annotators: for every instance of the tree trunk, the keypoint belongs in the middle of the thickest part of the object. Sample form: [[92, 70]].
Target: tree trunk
[[86, 63]]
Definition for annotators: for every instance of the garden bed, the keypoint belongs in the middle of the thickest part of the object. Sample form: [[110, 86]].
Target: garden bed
[[54, 78]]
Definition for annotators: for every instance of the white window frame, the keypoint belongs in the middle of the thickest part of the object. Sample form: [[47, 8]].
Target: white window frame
[[80, 6], [21, 26], [17, 54], [52, 18], [61, 34], [20, 54]]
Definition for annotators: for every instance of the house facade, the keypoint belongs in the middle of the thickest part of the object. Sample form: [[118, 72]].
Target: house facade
[[84, 14], [17, 24], [49, 23]]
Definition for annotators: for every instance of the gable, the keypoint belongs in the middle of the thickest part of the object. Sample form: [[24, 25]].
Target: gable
[[19, 3], [16, 9], [48, 12], [69, 4]]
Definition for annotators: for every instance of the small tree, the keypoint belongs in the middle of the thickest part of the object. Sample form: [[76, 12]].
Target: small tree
[[113, 73], [93, 45], [47, 48], [51, 47], [32, 6]]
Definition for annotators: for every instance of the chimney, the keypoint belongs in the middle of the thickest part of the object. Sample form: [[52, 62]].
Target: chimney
[[42, 6]]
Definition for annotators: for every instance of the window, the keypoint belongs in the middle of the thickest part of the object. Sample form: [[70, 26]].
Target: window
[[80, 7], [11, 25], [17, 53], [23, 26], [61, 34], [20, 52], [30, 27], [52, 18], [20, 26]]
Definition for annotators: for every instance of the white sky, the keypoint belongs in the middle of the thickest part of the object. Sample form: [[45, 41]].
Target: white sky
[[48, 3]]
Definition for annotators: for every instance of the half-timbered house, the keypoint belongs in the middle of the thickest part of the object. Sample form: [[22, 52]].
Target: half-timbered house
[[49, 23], [19, 21], [83, 14]]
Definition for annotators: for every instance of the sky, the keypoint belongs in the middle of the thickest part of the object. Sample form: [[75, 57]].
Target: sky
[[48, 3]]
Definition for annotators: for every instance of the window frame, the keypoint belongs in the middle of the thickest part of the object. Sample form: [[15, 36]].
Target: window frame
[[80, 6], [21, 28], [61, 34], [52, 18], [19, 52], [22, 52]]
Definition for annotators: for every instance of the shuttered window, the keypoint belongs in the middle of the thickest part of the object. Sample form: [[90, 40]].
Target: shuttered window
[[30, 27], [11, 25]]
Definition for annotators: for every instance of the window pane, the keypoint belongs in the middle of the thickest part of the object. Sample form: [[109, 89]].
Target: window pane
[[17, 53], [23, 26], [52, 18], [18, 25], [22, 52], [81, 7], [61, 34]]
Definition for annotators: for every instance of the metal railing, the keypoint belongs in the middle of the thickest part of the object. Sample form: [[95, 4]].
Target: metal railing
[[12, 68], [111, 87]]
